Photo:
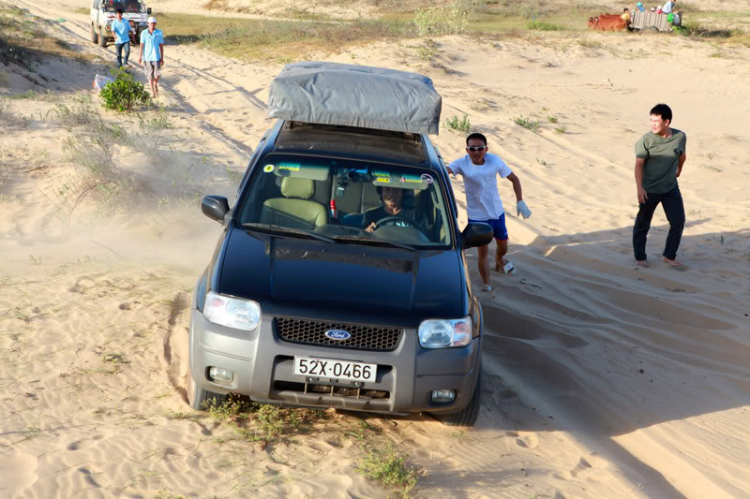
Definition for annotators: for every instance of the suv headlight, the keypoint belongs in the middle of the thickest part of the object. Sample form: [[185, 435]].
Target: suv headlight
[[231, 312], [442, 333]]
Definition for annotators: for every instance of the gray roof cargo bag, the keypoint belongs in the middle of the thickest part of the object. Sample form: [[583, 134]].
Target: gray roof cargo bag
[[358, 96]]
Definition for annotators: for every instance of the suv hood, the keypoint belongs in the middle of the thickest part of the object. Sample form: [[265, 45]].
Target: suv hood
[[346, 282]]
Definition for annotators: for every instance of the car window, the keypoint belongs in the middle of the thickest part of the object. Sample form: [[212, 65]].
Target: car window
[[125, 5], [351, 201]]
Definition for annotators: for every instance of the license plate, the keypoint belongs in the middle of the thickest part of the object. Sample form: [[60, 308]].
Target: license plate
[[335, 369]]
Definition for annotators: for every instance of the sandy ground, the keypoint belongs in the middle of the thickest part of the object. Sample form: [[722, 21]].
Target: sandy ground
[[604, 380]]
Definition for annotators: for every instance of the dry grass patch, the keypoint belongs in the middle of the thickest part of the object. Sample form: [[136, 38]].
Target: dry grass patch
[[24, 41], [252, 39]]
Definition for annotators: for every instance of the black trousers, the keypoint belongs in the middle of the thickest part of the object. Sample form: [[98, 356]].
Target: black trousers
[[675, 211]]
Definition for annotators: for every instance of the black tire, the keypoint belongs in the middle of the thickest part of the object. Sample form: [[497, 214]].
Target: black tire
[[102, 38], [198, 396], [94, 35], [468, 416]]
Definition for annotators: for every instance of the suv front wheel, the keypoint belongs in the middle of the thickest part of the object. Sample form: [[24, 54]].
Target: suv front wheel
[[94, 35], [102, 38], [468, 416], [197, 397]]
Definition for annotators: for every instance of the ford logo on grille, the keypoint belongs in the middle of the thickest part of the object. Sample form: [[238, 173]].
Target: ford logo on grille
[[338, 334]]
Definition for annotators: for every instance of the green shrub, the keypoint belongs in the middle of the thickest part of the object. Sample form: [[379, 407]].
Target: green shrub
[[527, 123], [459, 125], [541, 26], [124, 93], [389, 467], [450, 19], [158, 122]]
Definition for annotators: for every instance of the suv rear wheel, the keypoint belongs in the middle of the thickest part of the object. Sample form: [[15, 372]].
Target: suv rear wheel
[[468, 416], [94, 35], [198, 396]]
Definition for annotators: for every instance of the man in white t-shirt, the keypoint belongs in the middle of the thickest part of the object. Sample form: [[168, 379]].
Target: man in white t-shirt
[[479, 170], [667, 9]]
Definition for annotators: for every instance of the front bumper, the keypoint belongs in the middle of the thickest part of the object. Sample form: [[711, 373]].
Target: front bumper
[[264, 370]]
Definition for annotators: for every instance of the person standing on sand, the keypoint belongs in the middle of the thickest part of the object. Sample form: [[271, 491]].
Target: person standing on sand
[[121, 28], [659, 158], [152, 49], [479, 170]]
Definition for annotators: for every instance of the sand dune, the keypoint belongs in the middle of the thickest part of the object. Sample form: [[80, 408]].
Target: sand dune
[[604, 379]]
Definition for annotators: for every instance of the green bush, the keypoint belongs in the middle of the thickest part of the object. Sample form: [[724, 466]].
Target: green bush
[[124, 93], [528, 123], [459, 125], [450, 19], [541, 26], [389, 467]]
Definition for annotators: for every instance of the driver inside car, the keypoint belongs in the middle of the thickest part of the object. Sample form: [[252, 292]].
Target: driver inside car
[[392, 209]]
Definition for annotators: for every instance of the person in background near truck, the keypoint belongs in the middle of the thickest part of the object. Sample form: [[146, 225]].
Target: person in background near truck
[[152, 50], [121, 28], [480, 170], [667, 9], [659, 157], [625, 15]]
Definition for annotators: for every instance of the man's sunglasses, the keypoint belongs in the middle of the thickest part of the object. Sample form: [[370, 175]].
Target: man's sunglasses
[[476, 148]]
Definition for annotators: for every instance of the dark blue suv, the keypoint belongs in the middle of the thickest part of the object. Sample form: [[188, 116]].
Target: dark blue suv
[[340, 280]]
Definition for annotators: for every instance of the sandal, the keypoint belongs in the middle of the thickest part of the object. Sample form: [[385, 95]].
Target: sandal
[[486, 288], [509, 268]]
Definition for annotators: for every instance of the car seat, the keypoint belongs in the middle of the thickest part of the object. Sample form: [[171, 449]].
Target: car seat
[[295, 209]]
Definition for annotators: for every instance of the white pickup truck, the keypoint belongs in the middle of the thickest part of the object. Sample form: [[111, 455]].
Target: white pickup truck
[[103, 13]]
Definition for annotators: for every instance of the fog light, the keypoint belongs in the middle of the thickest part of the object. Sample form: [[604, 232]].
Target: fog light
[[443, 395], [220, 375]]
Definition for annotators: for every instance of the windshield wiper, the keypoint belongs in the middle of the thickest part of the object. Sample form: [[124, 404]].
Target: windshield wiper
[[375, 242], [280, 230]]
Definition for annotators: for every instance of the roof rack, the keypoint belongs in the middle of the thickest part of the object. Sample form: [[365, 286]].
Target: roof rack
[[328, 93]]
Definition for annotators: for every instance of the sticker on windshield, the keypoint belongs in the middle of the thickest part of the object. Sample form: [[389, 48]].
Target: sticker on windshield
[[382, 180], [268, 168], [381, 174], [426, 178], [294, 167], [410, 179]]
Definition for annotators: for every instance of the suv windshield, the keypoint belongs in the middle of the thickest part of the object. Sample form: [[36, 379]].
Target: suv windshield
[[125, 5], [347, 200]]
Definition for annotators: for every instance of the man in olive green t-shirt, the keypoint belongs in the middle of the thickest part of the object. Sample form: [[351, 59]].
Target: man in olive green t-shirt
[[659, 157]]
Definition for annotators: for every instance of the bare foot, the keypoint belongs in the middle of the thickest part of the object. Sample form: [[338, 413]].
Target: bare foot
[[672, 263], [642, 263]]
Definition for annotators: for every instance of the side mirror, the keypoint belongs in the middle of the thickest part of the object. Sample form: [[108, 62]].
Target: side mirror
[[476, 234], [148, 11], [215, 207]]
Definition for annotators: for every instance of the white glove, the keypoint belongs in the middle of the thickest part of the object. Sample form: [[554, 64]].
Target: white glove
[[523, 210]]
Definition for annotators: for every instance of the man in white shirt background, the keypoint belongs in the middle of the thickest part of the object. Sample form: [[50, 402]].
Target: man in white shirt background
[[483, 204]]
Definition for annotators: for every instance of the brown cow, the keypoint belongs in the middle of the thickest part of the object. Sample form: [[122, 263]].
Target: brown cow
[[606, 22]]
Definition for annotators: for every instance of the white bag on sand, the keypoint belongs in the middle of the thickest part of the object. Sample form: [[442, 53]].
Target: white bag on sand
[[100, 81]]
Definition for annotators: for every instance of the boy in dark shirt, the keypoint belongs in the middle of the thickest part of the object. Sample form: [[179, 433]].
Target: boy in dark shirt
[[659, 157]]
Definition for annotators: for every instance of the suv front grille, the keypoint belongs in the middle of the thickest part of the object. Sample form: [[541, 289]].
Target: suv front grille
[[363, 337]]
